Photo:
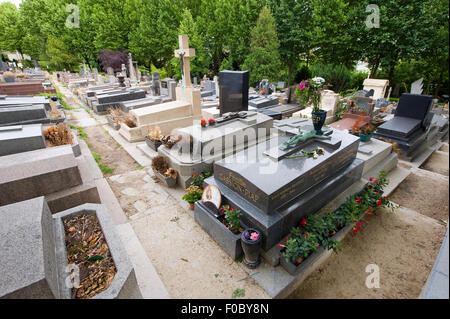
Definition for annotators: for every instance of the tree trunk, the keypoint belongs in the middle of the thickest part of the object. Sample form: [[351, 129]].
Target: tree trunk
[[290, 70], [374, 68], [391, 71], [438, 87]]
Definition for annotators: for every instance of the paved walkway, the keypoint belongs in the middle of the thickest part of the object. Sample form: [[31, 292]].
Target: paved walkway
[[437, 285]]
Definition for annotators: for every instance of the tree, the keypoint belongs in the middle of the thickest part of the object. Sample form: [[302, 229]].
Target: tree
[[294, 25], [200, 63], [113, 59], [264, 58], [61, 56], [12, 32]]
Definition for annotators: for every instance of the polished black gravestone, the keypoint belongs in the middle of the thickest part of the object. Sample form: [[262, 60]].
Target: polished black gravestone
[[274, 191], [410, 125], [233, 87]]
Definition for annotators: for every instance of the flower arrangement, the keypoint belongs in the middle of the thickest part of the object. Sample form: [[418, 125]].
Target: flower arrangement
[[59, 135], [232, 218], [316, 231], [312, 154], [193, 194], [169, 140], [211, 122], [129, 120], [160, 164], [203, 122], [154, 134], [253, 236], [116, 114], [310, 92], [197, 180]]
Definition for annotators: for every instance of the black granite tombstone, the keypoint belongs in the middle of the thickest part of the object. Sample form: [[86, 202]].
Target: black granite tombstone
[[233, 91], [409, 126]]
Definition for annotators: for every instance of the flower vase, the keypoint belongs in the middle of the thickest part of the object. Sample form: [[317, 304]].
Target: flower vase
[[318, 118], [251, 248]]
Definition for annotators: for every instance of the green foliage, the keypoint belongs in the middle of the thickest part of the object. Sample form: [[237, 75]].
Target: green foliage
[[103, 167], [316, 231], [238, 293], [263, 62], [337, 75], [357, 79], [197, 180], [232, 215], [194, 194], [61, 57]]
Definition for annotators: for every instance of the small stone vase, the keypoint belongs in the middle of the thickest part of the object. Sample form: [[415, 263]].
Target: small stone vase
[[318, 119], [251, 248]]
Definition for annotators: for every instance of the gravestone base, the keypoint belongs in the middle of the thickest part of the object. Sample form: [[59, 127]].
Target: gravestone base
[[373, 153], [276, 226]]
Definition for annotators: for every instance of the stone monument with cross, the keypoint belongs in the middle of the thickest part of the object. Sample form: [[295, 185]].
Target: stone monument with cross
[[172, 115]]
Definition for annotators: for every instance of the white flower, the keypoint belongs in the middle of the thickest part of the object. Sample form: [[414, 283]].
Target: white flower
[[318, 80]]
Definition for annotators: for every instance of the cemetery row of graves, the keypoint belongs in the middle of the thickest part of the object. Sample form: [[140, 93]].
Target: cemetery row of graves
[[275, 176]]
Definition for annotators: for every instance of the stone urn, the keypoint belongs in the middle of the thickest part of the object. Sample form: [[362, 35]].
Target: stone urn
[[251, 240], [318, 118]]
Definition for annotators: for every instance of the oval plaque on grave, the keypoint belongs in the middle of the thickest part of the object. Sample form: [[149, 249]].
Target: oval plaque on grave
[[212, 194]]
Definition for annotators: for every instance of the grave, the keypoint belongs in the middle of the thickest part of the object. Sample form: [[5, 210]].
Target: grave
[[27, 114], [6, 101], [410, 126], [378, 86], [169, 116], [25, 138], [36, 265], [329, 103], [53, 172], [106, 101], [358, 113], [25, 88], [274, 189], [213, 143]]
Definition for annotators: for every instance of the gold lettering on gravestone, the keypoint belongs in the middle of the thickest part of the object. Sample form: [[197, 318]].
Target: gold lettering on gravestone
[[239, 185]]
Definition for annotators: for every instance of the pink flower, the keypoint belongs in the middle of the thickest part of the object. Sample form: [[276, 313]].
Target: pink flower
[[358, 200], [371, 179], [301, 86], [254, 236]]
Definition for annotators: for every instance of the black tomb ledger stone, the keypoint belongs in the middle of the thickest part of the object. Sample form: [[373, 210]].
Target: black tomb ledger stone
[[233, 86], [276, 191]]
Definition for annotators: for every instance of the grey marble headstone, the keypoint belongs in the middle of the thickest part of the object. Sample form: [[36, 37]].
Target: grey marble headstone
[[417, 86]]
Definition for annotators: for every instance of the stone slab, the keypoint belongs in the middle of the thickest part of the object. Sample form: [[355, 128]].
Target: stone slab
[[23, 138], [28, 263], [37, 173]]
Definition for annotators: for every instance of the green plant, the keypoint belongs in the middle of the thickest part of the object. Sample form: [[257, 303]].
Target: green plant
[[103, 167], [310, 92], [316, 231], [232, 216], [197, 180], [337, 75], [194, 194], [238, 293]]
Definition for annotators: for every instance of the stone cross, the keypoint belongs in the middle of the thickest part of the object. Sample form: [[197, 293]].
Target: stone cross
[[184, 54]]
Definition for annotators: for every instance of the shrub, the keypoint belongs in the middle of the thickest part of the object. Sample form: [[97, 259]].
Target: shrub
[[337, 75], [357, 79]]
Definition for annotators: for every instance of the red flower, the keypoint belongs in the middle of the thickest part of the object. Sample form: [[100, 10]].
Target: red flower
[[319, 247], [380, 201], [282, 246], [358, 224], [371, 179], [211, 120], [356, 230], [201, 187], [376, 181], [358, 200], [303, 222]]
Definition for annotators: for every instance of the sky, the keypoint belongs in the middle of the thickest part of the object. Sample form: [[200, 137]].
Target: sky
[[16, 2]]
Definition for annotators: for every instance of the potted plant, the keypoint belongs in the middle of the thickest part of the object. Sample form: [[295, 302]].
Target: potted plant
[[251, 240], [203, 123], [153, 138], [366, 133], [310, 92], [193, 195], [211, 122], [169, 141], [114, 117], [9, 76], [129, 120], [59, 135], [163, 172]]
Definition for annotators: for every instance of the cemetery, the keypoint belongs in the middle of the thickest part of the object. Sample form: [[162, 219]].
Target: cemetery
[[236, 164]]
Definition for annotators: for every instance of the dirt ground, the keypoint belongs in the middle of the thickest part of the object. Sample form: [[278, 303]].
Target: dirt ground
[[403, 245], [437, 163], [425, 195], [112, 154]]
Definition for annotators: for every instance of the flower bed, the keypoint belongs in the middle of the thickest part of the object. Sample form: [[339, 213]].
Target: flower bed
[[317, 233], [86, 247]]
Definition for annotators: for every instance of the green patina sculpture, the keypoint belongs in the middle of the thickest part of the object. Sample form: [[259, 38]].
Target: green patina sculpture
[[302, 137]]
